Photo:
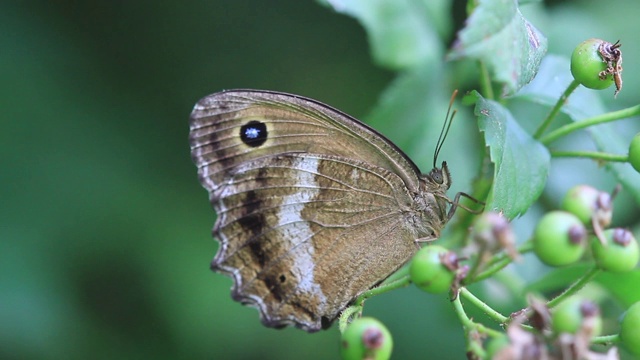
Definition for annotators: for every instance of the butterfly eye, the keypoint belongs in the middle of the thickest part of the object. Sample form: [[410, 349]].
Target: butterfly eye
[[436, 175]]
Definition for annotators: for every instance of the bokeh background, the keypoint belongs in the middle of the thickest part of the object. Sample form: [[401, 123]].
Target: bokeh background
[[104, 230]]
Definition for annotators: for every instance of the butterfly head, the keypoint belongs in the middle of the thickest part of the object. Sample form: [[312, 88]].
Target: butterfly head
[[440, 177]]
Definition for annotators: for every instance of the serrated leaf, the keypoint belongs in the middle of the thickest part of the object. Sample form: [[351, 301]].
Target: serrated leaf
[[402, 33], [521, 162], [497, 34], [553, 78]]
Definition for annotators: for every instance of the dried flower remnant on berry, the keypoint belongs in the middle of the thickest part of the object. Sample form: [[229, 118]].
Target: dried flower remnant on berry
[[612, 56]]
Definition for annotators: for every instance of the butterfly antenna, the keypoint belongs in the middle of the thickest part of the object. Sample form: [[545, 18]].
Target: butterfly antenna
[[445, 128]]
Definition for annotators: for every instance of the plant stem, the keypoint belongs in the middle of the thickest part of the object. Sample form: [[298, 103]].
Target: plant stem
[[469, 324], [606, 339], [470, 278], [600, 119], [556, 108], [499, 262], [462, 315], [596, 155], [574, 288], [591, 155], [346, 315], [484, 307], [383, 288], [485, 82], [402, 272], [395, 281]]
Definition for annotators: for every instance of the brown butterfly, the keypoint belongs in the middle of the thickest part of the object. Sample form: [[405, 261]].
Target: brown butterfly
[[314, 207]]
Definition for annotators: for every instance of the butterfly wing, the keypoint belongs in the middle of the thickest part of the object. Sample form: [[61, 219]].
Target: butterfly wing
[[310, 213], [304, 234], [292, 124]]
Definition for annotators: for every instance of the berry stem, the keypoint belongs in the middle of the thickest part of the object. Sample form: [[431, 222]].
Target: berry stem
[[468, 324], [485, 82], [396, 283], [574, 288], [499, 318], [474, 346], [606, 339], [596, 155], [499, 262], [600, 119], [347, 314], [399, 279], [556, 108]]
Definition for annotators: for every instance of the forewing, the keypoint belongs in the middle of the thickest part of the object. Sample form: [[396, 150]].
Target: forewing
[[294, 124]]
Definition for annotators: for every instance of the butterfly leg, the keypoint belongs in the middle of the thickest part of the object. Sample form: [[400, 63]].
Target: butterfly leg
[[456, 202], [425, 239]]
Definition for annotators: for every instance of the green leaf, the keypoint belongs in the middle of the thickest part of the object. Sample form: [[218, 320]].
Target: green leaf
[[521, 162], [553, 78], [623, 286], [558, 278], [413, 99], [497, 34], [616, 283], [402, 33], [411, 113]]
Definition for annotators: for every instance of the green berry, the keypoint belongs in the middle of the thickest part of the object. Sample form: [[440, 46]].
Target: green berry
[[634, 152], [366, 338], [495, 345], [620, 253], [629, 333], [428, 272], [580, 200], [572, 315], [587, 65], [559, 238]]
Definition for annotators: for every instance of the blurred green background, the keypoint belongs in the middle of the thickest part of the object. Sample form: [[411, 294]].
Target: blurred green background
[[106, 239], [105, 231]]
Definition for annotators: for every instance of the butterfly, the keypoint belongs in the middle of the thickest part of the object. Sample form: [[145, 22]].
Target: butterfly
[[313, 206]]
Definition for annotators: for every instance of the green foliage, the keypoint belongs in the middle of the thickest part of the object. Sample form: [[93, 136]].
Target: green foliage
[[105, 231], [402, 34], [521, 162], [583, 105], [497, 34]]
